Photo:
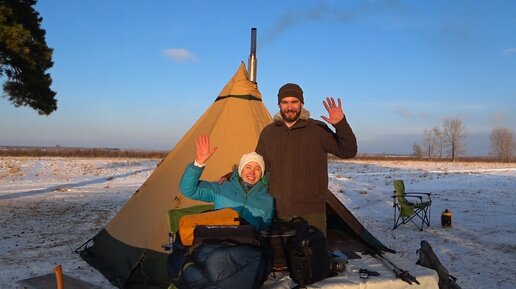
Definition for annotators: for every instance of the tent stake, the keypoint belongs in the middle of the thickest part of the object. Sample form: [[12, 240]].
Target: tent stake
[[58, 270]]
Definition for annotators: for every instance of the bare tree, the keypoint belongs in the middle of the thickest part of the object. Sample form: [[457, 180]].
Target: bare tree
[[502, 143], [454, 133], [428, 143], [438, 138], [433, 143], [417, 151]]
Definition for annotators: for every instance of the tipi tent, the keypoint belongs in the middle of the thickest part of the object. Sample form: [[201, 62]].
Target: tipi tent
[[128, 251]]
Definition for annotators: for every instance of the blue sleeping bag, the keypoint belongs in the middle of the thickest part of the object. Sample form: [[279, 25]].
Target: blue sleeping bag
[[223, 264]]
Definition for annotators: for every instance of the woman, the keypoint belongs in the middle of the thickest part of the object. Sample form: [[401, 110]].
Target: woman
[[246, 191]]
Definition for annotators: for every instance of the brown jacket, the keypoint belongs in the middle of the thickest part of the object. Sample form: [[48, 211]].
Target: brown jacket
[[296, 159]]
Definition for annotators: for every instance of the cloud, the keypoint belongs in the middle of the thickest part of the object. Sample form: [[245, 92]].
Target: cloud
[[509, 51], [404, 113], [412, 114], [497, 117], [179, 54]]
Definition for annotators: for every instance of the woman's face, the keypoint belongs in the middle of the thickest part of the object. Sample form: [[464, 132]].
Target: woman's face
[[251, 173]]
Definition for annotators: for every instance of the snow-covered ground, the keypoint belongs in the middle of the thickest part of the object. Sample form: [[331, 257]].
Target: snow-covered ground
[[50, 206]]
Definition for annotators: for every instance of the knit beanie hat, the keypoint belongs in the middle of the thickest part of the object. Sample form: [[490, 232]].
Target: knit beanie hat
[[251, 157], [291, 89]]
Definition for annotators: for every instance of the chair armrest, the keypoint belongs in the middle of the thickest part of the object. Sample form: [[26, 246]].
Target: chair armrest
[[417, 193], [408, 196], [428, 195], [412, 193]]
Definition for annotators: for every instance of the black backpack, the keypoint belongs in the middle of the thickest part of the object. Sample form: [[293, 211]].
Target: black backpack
[[299, 248], [308, 258]]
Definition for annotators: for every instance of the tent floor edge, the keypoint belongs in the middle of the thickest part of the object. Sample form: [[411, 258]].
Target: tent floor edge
[[125, 266]]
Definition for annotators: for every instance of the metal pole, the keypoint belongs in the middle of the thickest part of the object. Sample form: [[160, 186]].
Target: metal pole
[[252, 57], [398, 272]]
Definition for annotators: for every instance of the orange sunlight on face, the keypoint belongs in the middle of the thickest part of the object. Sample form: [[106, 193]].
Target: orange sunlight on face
[[251, 173], [290, 108]]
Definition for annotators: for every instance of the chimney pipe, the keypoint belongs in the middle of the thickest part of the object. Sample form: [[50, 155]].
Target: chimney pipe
[[252, 57]]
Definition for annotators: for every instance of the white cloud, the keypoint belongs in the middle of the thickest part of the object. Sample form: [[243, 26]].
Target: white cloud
[[404, 113], [179, 54], [508, 51]]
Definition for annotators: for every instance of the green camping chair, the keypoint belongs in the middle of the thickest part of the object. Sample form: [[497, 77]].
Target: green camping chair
[[409, 205]]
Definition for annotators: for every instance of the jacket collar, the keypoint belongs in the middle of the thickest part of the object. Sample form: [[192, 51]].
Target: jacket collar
[[235, 179]]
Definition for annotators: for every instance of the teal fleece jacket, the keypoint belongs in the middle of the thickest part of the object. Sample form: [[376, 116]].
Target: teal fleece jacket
[[255, 206]]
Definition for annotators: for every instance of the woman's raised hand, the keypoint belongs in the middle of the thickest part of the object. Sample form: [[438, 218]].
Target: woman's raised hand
[[204, 151]]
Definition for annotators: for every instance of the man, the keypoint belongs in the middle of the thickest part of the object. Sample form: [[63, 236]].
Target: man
[[295, 148]]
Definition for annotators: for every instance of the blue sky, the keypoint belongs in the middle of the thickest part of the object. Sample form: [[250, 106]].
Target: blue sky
[[138, 74]]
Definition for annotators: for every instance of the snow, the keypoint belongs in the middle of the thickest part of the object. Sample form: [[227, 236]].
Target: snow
[[51, 206]]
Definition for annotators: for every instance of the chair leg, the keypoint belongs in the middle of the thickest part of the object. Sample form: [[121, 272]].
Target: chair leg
[[396, 222], [422, 214]]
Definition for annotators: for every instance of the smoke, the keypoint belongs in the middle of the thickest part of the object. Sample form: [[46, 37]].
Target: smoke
[[324, 11]]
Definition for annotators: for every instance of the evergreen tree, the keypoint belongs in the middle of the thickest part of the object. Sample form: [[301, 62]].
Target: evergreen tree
[[25, 57]]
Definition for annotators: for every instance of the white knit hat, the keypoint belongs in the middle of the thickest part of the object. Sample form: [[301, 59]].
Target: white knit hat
[[251, 157]]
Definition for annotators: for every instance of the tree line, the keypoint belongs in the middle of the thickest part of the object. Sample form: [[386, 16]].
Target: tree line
[[448, 141], [79, 152]]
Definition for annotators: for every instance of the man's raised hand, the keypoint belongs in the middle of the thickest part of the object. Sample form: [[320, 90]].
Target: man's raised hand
[[335, 111]]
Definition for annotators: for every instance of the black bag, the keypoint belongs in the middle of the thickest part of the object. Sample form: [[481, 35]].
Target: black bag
[[307, 252], [244, 234], [276, 238]]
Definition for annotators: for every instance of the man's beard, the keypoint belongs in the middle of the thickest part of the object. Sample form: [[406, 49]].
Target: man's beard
[[290, 119]]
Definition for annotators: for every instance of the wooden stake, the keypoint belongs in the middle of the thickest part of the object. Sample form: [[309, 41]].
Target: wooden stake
[[58, 270]]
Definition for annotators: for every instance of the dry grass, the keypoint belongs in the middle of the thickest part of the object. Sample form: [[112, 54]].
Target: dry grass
[[121, 153]]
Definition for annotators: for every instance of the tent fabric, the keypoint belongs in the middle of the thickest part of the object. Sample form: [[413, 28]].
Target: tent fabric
[[128, 251], [355, 226], [126, 266], [234, 119]]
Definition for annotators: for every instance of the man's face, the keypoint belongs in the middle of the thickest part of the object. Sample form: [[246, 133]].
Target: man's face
[[290, 108]]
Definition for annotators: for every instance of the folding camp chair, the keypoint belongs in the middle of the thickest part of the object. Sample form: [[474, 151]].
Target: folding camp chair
[[408, 205]]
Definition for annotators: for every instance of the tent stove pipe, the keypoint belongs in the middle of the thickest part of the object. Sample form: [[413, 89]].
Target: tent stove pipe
[[252, 57]]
